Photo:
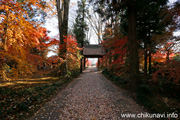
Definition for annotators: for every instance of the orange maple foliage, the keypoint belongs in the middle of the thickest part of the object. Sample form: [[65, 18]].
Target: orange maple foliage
[[164, 52], [73, 55], [18, 36]]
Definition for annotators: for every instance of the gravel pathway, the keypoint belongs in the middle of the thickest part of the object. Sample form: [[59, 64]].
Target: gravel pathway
[[89, 97]]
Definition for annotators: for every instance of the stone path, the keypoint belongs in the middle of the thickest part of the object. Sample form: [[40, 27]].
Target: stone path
[[89, 97]]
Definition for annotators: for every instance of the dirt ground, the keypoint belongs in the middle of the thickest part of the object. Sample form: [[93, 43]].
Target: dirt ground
[[90, 97]]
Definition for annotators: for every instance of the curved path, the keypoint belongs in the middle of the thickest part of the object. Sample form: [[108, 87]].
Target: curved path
[[89, 97]]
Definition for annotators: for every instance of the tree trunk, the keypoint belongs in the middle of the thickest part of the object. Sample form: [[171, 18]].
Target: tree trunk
[[81, 69], [110, 59], [81, 61], [145, 57], [64, 29], [167, 57], [59, 10], [98, 63], [84, 63], [133, 45], [150, 66], [82, 43], [4, 37]]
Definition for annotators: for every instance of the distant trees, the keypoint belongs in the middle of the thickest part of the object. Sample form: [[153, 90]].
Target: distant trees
[[95, 22]]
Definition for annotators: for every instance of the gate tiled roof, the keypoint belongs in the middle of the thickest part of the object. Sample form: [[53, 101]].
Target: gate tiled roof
[[93, 50]]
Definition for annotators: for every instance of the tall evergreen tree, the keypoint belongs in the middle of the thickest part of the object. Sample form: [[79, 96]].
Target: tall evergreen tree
[[149, 22], [80, 27]]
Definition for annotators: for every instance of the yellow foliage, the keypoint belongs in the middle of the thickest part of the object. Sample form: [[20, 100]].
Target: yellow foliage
[[18, 36]]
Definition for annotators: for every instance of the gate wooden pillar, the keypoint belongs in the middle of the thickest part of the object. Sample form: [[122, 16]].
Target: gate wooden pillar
[[98, 62], [84, 63]]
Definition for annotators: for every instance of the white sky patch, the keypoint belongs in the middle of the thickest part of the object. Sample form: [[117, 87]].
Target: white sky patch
[[172, 1], [93, 60], [176, 33], [52, 26]]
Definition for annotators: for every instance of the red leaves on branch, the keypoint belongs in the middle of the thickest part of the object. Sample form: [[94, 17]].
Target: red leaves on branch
[[43, 40], [117, 49], [72, 51], [168, 72]]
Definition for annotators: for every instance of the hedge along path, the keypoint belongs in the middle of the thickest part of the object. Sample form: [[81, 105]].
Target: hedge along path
[[90, 96]]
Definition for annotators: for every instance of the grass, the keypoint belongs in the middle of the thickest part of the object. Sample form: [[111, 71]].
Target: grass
[[21, 98], [155, 97]]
